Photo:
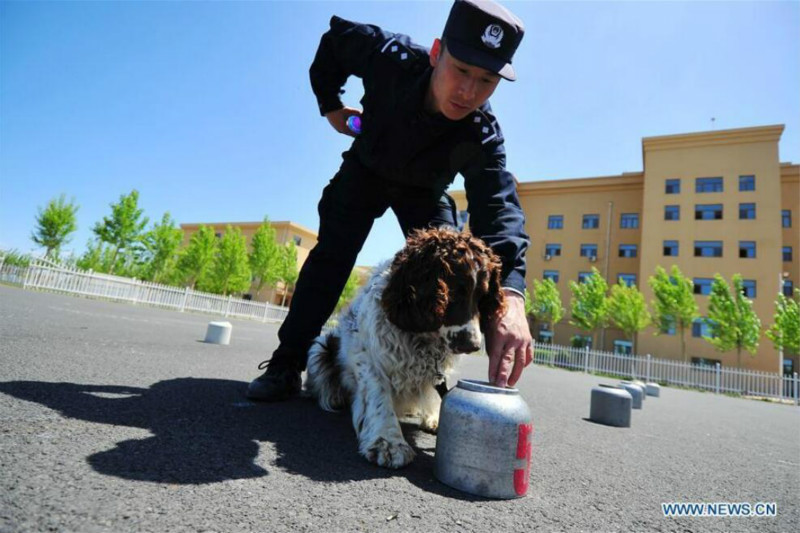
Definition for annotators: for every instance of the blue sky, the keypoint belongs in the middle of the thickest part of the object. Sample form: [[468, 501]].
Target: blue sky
[[206, 108]]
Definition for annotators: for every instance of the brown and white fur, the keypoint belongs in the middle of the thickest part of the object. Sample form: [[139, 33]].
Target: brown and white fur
[[402, 336]]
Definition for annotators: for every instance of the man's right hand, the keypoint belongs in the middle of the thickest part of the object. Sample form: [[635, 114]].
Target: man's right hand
[[338, 119]]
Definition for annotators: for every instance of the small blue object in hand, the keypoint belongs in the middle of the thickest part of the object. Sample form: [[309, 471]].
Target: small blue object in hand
[[354, 124]]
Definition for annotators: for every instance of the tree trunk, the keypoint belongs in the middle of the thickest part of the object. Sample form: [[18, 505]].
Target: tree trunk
[[113, 260], [285, 291], [683, 343]]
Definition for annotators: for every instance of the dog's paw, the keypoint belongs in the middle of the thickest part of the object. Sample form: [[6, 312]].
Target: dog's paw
[[389, 454], [429, 424]]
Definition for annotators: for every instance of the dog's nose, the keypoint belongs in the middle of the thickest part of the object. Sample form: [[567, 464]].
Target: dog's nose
[[464, 341]]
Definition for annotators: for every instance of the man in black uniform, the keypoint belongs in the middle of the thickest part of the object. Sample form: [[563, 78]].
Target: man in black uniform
[[426, 117]]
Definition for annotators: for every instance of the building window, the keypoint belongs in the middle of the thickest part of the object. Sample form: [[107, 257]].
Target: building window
[[700, 327], [552, 250], [629, 220], [788, 288], [786, 218], [708, 185], [747, 249], [583, 276], [551, 275], [555, 222], [667, 326], [708, 212], [702, 286], [627, 279], [297, 240], [671, 248], [589, 250], [747, 211], [749, 288], [704, 362], [591, 222], [708, 248], [672, 212], [627, 250], [787, 254], [623, 347], [581, 341], [545, 337], [747, 183], [673, 186]]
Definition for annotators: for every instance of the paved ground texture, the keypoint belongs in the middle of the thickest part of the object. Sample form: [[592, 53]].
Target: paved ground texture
[[118, 418]]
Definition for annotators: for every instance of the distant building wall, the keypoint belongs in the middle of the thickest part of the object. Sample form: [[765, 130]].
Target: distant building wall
[[636, 215], [285, 231]]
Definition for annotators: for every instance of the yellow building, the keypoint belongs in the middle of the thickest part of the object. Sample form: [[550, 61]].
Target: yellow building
[[709, 202], [304, 239]]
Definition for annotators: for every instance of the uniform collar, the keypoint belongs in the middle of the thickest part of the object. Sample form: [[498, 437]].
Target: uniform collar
[[415, 105]]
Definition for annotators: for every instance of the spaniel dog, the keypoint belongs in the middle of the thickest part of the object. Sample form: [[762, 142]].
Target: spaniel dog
[[402, 335]]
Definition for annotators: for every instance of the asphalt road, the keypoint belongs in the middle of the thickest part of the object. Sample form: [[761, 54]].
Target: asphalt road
[[118, 418]]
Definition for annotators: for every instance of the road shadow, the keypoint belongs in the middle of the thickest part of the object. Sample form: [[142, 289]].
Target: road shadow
[[595, 422], [205, 431]]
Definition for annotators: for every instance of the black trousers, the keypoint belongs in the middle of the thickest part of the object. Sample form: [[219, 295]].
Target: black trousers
[[350, 203]]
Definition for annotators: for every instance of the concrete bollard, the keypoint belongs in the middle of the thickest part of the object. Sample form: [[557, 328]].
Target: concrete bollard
[[653, 389], [642, 385], [639, 384], [611, 405], [636, 393], [219, 333]]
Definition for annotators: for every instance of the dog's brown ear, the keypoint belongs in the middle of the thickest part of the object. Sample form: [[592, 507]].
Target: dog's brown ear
[[415, 298], [492, 303]]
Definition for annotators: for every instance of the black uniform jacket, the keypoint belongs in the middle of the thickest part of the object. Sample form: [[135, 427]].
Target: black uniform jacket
[[402, 143]]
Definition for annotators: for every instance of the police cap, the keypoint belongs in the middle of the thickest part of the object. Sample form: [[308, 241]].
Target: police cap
[[485, 34]]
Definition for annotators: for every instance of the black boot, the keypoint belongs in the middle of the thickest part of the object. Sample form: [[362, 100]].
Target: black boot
[[280, 382]]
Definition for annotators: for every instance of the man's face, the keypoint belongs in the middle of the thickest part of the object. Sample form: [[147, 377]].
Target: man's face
[[457, 88]]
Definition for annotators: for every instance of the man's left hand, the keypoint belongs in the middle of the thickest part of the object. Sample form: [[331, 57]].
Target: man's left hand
[[509, 343]]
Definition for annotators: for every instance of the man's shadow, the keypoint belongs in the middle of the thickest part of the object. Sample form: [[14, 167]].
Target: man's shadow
[[205, 431]]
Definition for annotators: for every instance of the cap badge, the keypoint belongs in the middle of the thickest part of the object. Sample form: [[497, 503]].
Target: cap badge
[[492, 36]]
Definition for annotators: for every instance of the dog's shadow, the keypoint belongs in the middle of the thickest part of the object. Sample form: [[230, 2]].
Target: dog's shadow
[[205, 431]]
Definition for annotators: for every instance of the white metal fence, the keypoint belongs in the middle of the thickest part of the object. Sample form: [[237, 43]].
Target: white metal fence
[[47, 276], [670, 372]]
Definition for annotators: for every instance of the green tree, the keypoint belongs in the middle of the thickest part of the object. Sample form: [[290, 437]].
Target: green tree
[[54, 224], [123, 229], [349, 292], [785, 332], [288, 270], [265, 258], [161, 251], [13, 257], [628, 311], [97, 257], [674, 305], [731, 319], [589, 303], [195, 261], [230, 272], [545, 304]]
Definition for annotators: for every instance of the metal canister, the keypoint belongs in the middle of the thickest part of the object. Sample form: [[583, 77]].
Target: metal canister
[[484, 440]]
